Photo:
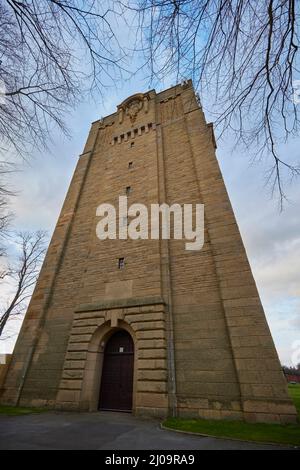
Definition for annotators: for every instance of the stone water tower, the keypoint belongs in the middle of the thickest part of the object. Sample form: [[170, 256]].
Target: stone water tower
[[145, 325]]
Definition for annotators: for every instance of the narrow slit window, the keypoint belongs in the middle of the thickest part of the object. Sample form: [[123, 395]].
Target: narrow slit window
[[128, 190], [130, 165], [131, 144], [121, 263]]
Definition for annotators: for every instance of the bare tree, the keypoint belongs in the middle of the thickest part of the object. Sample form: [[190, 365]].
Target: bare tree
[[24, 273], [243, 55], [292, 370], [4, 224], [51, 53], [5, 213]]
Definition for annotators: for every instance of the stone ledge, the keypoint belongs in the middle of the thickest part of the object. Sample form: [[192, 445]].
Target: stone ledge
[[85, 153], [122, 303]]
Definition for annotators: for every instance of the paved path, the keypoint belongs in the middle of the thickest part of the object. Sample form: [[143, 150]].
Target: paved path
[[109, 431]]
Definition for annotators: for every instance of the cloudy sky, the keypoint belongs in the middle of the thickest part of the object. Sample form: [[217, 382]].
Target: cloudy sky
[[272, 239]]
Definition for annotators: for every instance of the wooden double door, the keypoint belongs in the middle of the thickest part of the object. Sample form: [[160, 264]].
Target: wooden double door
[[116, 389]]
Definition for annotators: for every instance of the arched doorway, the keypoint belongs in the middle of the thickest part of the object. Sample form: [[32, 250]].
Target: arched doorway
[[117, 373]]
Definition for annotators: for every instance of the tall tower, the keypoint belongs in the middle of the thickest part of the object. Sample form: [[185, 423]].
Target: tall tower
[[145, 325]]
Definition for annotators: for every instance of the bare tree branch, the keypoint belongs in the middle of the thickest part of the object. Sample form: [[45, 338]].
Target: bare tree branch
[[51, 54], [243, 55], [5, 215]]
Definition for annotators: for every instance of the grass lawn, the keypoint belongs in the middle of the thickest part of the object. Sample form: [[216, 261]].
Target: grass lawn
[[275, 433], [19, 411], [294, 391]]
